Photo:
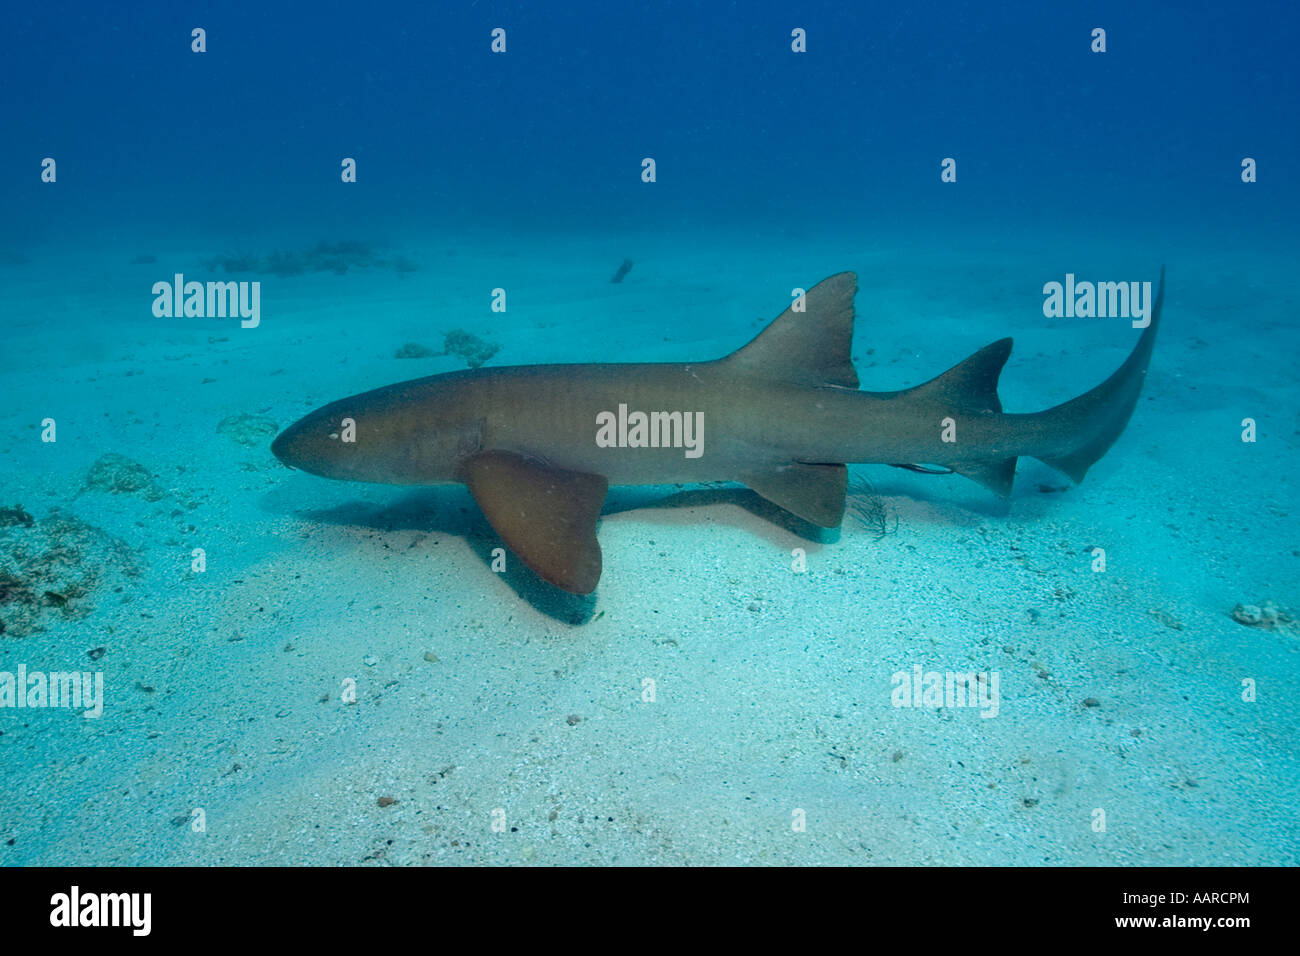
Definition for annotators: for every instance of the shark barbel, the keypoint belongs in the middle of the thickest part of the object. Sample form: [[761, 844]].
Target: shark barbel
[[539, 445]]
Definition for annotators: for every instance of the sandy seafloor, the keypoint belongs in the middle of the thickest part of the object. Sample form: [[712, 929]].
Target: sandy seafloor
[[772, 688]]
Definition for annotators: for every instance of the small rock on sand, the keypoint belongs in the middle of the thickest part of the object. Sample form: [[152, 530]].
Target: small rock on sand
[[248, 430], [119, 475]]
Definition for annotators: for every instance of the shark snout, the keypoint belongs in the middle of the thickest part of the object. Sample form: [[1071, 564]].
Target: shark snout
[[312, 444], [282, 447]]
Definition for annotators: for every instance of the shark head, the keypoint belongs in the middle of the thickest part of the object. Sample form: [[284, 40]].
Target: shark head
[[376, 437], [314, 444]]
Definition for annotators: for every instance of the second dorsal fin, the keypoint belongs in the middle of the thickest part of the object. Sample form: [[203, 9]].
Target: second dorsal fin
[[972, 385]]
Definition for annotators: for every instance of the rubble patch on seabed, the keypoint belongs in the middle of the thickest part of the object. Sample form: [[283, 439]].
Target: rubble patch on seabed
[[1267, 616], [248, 430], [118, 475], [57, 567]]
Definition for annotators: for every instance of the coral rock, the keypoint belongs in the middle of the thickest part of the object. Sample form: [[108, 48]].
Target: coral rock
[[119, 475], [248, 430]]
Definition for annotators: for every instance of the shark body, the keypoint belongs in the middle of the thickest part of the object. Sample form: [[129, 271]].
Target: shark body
[[539, 445]]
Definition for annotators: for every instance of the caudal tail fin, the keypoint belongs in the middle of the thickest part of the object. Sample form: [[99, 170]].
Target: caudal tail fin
[[1070, 437], [1078, 432]]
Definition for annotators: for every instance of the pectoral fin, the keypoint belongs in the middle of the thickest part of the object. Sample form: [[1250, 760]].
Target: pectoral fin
[[546, 515]]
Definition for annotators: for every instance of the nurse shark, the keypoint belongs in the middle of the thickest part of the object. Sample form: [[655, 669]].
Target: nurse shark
[[539, 445]]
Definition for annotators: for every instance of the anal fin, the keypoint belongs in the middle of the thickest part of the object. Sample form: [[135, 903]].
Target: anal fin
[[546, 515], [997, 475], [812, 492]]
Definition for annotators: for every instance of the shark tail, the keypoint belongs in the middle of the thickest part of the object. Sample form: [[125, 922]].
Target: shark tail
[[812, 347], [972, 387], [1070, 437], [1075, 434]]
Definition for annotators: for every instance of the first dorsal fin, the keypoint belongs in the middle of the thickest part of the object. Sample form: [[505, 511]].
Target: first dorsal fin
[[972, 385], [812, 347]]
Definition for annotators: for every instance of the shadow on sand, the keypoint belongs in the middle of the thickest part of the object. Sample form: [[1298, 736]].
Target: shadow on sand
[[451, 511]]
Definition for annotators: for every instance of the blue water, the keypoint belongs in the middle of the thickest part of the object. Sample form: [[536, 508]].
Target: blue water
[[522, 170], [1147, 136]]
